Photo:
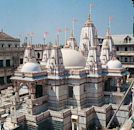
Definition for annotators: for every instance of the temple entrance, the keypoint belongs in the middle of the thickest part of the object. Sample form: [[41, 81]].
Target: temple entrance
[[110, 85], [39, 91]]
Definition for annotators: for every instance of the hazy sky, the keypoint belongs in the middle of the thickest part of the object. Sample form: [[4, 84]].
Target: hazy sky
[[19, 17]]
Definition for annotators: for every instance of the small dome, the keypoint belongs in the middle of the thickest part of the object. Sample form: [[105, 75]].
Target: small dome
[[114, 64], [72, 58], [31, 67]]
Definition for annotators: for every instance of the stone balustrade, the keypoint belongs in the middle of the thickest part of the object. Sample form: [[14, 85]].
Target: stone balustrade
[[38, 101]]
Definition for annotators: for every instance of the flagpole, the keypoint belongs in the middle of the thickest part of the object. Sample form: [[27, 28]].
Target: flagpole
[[109, 24], [65, 34], [58, 39], [31, 39], [44, 39], [73, 26], [58, 36], [90, 9]]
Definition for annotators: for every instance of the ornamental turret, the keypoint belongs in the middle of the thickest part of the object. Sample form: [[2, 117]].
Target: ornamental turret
[[55, 65], [93, 61], [29, 54], [71, 42], [108, 49], [46, 55], [86, 45], [90, 30]]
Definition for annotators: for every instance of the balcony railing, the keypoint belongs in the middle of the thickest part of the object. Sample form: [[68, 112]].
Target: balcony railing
[[3, 49], [128, 63], [126, 53]]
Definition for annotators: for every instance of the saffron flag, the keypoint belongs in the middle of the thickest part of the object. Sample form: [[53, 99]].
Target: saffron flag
[[45, 34], [59, 30]]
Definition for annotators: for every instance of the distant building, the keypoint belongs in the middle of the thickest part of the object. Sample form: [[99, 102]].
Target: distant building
[[125, 50], [124, 45], [11, 55]]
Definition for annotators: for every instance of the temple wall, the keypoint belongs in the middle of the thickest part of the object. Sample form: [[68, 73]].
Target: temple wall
[[94, 92], [57, 95]]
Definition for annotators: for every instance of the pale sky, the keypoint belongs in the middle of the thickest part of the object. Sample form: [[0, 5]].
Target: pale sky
[[19, 17]]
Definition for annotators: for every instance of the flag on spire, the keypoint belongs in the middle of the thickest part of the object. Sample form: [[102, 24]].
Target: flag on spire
[[110, 18], [59, 30], [45, 34], [30, 34]]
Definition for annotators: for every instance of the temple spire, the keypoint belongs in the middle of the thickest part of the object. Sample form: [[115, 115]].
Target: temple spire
[[108, 48], [71, 42]]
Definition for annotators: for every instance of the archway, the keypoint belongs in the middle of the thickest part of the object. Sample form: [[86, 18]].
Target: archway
[[23, 90]]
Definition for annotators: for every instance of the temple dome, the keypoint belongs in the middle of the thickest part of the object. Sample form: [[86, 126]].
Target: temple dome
[[72, 58], [31, 67], [114, 64]]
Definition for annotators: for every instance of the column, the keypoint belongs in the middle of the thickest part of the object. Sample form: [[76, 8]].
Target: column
[[4, 62], [118, 84], [75, 126], [16, 90], [5, 79], [32, 90]]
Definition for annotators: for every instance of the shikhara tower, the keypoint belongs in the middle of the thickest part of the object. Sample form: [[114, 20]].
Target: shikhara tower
[[71, 42], [88, 37], [108, 50]]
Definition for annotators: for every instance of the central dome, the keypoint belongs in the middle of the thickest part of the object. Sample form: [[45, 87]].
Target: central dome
[[114, 64], [72, 58], [31, 67]]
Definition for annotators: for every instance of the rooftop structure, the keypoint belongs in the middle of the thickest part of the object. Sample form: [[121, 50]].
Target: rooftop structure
[[125, 50]]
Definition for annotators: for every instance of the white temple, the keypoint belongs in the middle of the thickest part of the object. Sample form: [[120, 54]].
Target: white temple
[[71, 88]]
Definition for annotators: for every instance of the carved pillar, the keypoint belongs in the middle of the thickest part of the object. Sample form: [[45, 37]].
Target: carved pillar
[[118, 84], [32, 90], [16, 90]]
